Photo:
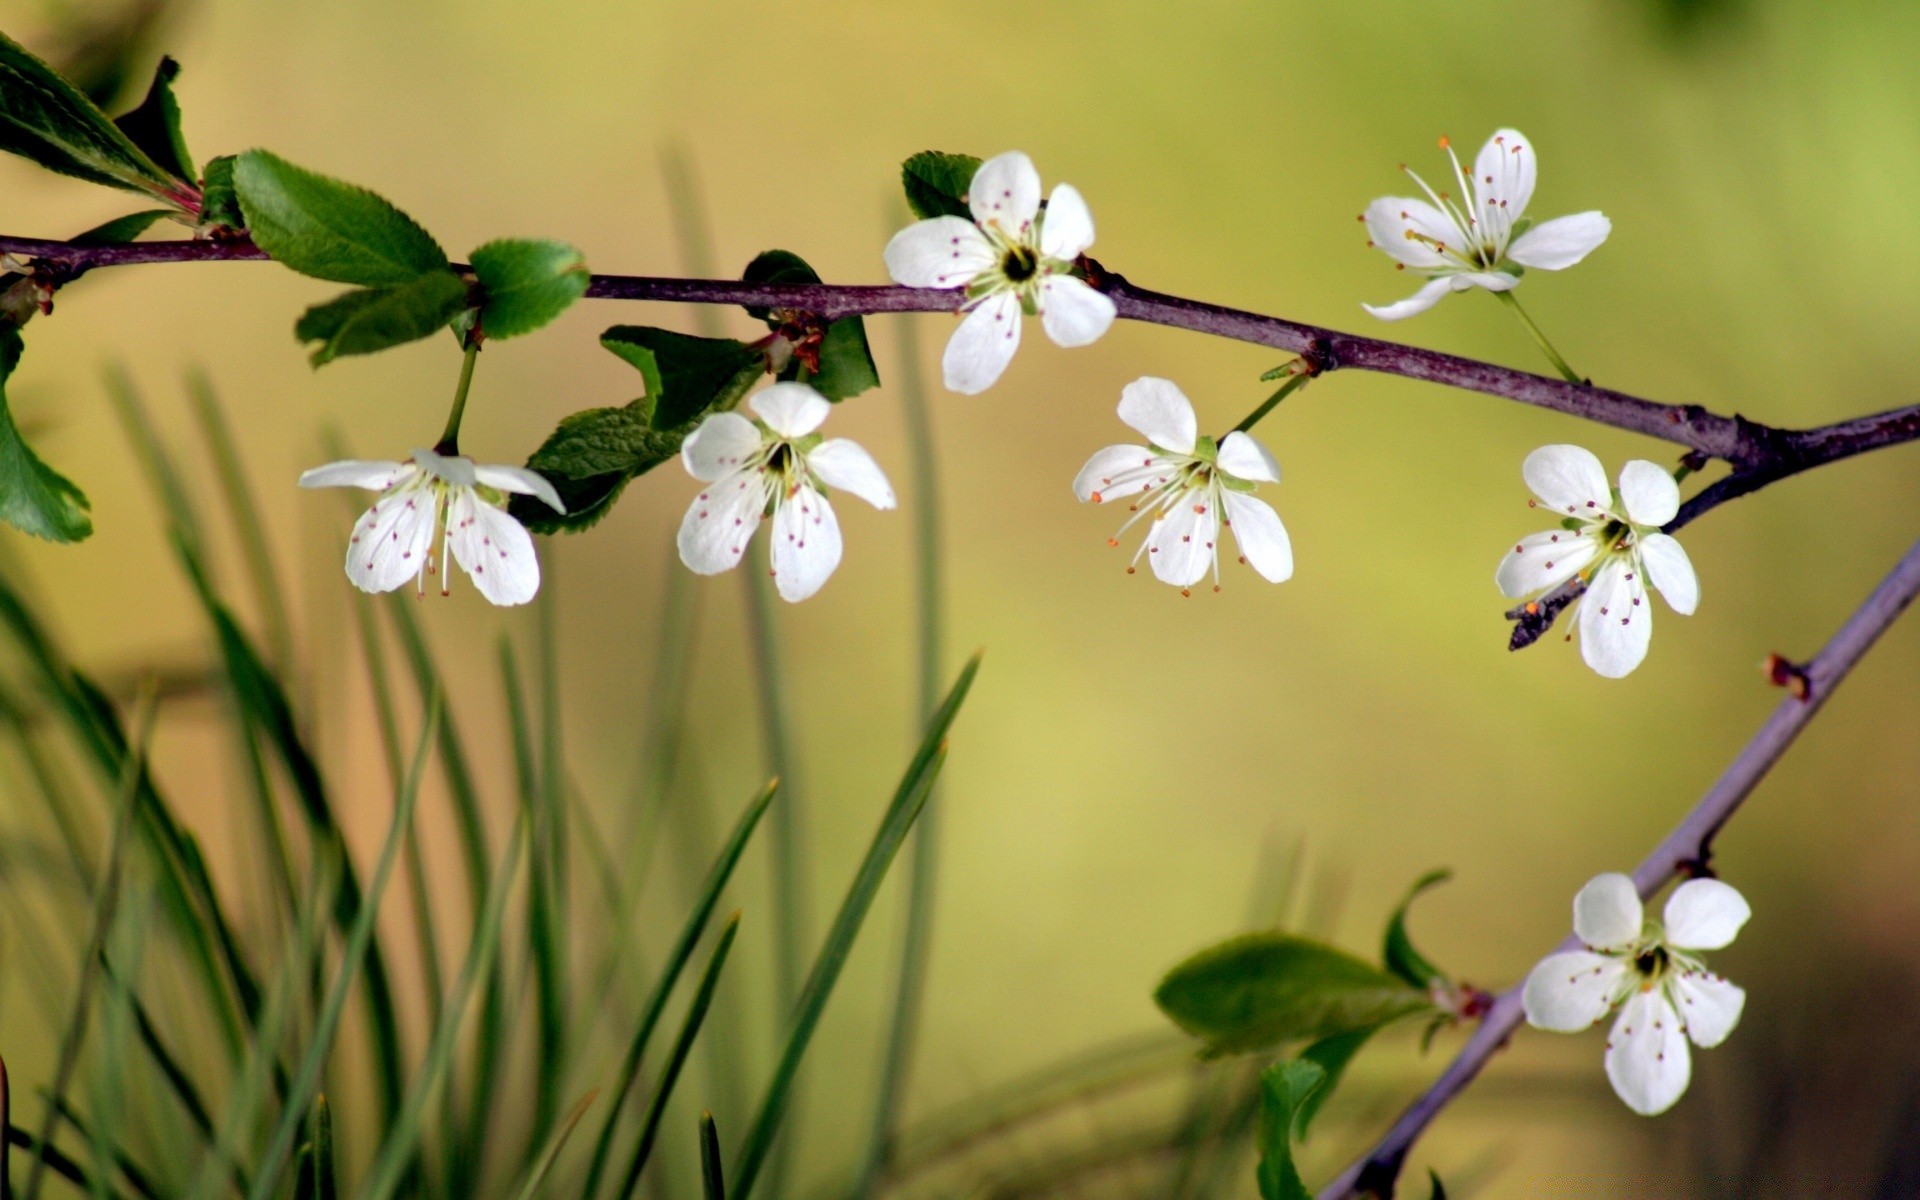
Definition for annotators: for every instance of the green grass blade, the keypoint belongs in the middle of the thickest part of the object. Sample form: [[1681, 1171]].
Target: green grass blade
[[550, 860], [682, 1046], [306, 1079], [105, 901], [397, 1154], [238, 494], [317, 1178], [100, 1180], [155, 459], [543, 1166], [712, 1175], [58, 1161], [703, 907], [894, 826], [923, 860]]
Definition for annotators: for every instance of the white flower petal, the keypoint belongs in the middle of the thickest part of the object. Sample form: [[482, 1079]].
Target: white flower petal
[[1648, 493], [1709, 1005], [1120, 471], [1647, 1058], [1493, 281], [391, 540], [1569, 479], [1407, 230], [1558, 244], [519, 479], [359, 473], [1006, 192], [942, 252], [1067, 230], [1616, 622], [1242, 457], [1072, 313], [720, 521], [1607, 912], [717, 448], [1505, 170], [1261, 537], [1422, 300], [495, 549], [1543, 560], [1182, 545], [1160, 411], [791, 410], [806, 544], [983, 345], [456, 469], [1568, 992], [1669, 569], [1705, 914], [846, 465]]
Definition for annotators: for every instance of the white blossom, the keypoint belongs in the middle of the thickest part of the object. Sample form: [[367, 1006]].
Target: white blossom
[[1651, 973], [773, 467], [1611, 538], [1013, 257], [1483, 240], [466, 501], [1191, 487]]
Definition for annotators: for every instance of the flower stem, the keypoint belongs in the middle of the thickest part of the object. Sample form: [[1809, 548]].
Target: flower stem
[[1520, 314], [1293, 384], [450, 437]]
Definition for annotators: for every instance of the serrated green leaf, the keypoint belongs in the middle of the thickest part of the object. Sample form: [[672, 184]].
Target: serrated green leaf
[[219, 203], [47, 119], [685, 375], [846, 361], [589, 459], [1331, 1055], [120, 230], [328, 229], [1263, 989], [1284, 1088], [526, 284], [155, 125], [937, 183], [373, 319], [34, 498], [1398, 952]]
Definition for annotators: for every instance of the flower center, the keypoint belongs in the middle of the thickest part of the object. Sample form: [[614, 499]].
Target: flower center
[[1651, 962], [1019, 263]]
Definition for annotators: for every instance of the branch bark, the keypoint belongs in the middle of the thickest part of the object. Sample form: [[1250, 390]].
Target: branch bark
[[1685, 850]]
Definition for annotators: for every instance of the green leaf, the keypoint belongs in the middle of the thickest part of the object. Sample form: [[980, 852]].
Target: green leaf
[[937, 183], [846, 361], [1398, 954], [47, 119], [685, 375], [526, 284], [712, 1176], [1263, 989], [155, 125], [589, 460], [328, 229], [1284, 1088], [219, 203], [373, 319], [120, 230], [34, 498], [1331, 1055]]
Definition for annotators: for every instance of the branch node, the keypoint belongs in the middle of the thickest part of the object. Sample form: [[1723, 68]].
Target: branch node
[[1782, 672]]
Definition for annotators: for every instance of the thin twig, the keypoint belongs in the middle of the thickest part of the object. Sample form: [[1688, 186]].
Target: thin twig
[[1684, 851]]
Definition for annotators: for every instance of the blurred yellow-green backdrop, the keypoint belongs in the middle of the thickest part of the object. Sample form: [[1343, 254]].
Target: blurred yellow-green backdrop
[[1127, 753]]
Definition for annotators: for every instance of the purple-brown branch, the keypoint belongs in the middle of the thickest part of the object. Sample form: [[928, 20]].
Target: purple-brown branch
[[1758, 454], [1683, 851]]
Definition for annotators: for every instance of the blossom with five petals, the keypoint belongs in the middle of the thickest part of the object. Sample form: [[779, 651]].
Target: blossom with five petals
[[393, 541], [1652, 974], [1611, 538], [1483, 240], [1191, 487], [1014, 256], [773, 467]]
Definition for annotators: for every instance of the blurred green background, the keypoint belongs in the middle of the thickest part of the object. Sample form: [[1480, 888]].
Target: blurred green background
[[1127, 752]]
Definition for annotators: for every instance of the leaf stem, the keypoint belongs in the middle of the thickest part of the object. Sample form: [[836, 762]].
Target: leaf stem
[[1293, 384], [450, 437], [1526, 322]]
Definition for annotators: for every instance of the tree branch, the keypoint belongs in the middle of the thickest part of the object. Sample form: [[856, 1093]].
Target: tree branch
[[1684, 851]]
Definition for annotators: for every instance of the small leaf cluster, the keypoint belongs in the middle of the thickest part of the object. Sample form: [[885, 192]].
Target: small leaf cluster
[[1270, 989]]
